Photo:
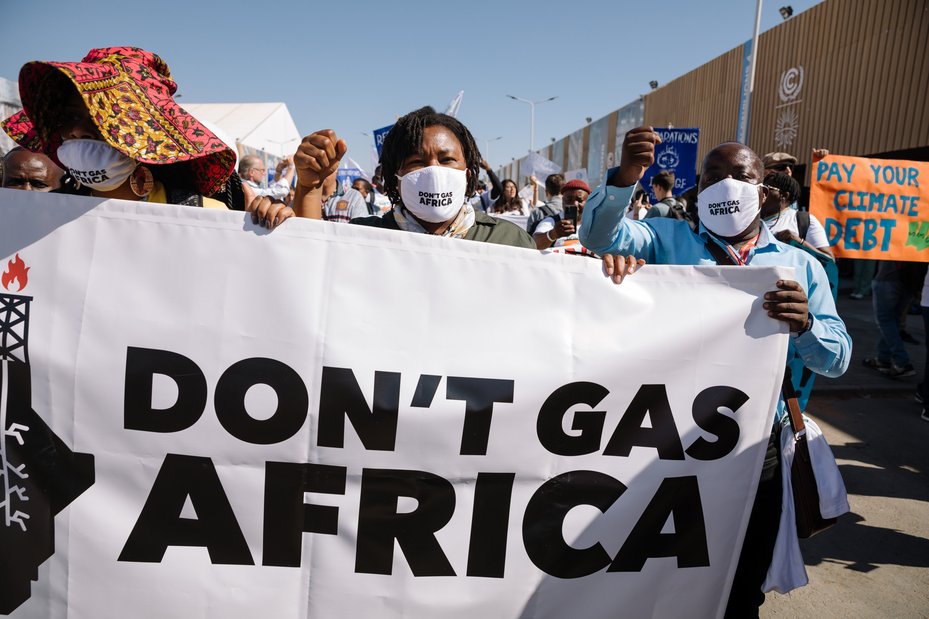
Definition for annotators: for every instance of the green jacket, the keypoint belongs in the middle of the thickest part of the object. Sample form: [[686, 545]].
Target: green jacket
[[486, 229]]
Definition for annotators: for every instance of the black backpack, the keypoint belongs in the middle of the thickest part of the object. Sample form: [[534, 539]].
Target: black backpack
[[675, 209], [548, 212]]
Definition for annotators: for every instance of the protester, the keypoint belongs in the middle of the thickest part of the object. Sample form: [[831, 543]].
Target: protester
[[496, 188], [30, 171], [922, 389], [424, 153], [639, 206], [552, 205], [782, 163], [128, 140], [346, 207], [366, 190], [789, 226], [731, 172], [252, 171], [510, 203], [560, 230], [663, 188], [894, 287], [479, 192], [862, 275]]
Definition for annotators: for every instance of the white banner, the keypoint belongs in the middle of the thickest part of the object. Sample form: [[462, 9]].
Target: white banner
[[536, 164], [337, 421]]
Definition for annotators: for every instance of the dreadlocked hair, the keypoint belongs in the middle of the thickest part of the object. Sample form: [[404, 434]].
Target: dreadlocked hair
[[406, 139], [788, 185]]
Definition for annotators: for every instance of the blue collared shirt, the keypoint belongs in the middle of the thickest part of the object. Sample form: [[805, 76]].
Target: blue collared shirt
[[826, 348]]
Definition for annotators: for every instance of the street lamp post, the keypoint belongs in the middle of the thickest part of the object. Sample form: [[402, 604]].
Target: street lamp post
[[532, 105], [751, 70], [487, 145]]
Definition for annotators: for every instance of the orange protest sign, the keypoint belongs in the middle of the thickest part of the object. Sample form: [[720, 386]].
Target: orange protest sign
[[873, 208]]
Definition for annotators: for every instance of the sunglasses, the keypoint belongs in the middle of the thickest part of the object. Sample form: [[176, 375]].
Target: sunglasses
[[780, 167]]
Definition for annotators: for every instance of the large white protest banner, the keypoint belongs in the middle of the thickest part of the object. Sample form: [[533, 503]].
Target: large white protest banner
[[204, 419]]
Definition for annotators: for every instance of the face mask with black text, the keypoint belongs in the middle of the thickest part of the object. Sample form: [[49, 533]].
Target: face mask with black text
[[434, 193], [728, 207], [95, 163]]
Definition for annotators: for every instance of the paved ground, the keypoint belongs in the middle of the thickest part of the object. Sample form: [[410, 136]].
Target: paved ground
[[875, 562]]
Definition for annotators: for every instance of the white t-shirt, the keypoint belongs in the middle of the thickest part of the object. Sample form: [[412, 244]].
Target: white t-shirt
[[787, 220], [547, 225], [346, 207]]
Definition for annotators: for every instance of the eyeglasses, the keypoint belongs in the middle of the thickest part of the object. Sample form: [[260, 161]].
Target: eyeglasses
[[780, 167], [770, 188]]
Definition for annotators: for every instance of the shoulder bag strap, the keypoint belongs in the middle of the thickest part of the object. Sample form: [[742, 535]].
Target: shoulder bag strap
[[793, 407]]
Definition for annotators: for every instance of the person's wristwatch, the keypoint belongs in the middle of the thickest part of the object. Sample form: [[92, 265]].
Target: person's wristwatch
[[809, 325], [548, 235]]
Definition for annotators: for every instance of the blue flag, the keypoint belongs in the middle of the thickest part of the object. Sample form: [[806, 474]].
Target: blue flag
[[379, 135], [677, 153]]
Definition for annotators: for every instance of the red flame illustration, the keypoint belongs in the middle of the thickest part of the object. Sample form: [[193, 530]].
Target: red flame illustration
[[17, 271]]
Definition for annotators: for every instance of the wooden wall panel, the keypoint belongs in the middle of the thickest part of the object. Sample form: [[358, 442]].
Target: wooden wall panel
[[707, 98], [865, 84]]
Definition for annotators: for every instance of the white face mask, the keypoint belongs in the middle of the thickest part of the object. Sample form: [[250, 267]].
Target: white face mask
[[95, 163], [434, 193], [728, 207]]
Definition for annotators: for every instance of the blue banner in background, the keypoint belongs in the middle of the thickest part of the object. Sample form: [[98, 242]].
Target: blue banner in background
[[379, 135], [741, 130], [678, 153]]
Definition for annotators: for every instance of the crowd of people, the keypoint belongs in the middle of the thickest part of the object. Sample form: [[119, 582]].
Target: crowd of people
[[132, 141]]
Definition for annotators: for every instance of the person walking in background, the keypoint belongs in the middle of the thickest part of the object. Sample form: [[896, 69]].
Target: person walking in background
[[894, 287]]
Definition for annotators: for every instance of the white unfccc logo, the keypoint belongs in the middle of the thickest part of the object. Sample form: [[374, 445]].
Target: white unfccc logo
[[791, 83]]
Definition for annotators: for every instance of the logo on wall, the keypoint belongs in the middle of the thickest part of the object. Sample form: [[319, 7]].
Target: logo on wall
[[791, 84], [787, 125], [668, 158], [785, 132], [39, 474]]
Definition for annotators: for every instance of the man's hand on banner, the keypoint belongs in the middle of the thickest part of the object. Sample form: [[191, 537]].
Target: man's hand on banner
[[638, 155], [318, 157], [789, 303], [268, 213], [617, 267]]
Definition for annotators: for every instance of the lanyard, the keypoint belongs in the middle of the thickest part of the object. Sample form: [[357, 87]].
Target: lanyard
[[741, 255]]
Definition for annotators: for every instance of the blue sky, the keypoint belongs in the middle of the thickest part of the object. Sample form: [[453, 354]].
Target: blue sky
[[356, 66]]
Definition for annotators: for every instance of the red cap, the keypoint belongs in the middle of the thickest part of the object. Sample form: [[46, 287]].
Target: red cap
[[575, 184]]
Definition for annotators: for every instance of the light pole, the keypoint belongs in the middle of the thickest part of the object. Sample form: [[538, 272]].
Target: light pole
[[743, 131], [532, 105], [487, 145]]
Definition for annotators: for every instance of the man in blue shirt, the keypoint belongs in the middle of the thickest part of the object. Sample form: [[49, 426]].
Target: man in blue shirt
[[729, 206]]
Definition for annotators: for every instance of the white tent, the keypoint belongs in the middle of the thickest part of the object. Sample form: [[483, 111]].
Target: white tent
[[257, 128], [9, 105]]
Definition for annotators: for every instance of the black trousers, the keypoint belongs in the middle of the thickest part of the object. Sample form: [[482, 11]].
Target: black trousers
[[746, 597]]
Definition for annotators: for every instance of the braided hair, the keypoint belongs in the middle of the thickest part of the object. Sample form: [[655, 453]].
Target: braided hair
[[406, 139], [786, 184]]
